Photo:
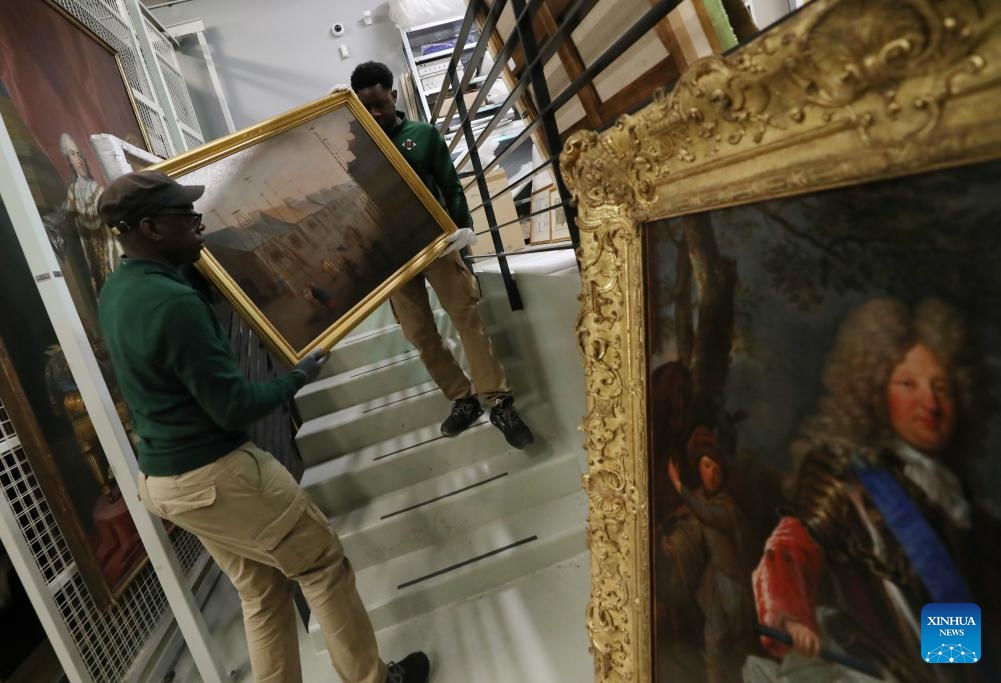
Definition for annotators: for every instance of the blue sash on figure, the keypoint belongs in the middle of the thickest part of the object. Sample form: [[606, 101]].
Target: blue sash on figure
[[928, 555]]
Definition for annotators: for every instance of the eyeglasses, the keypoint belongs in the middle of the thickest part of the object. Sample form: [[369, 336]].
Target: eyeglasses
[[194, 216]]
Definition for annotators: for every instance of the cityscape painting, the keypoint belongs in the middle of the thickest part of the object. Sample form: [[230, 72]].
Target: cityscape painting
[[311, 220]]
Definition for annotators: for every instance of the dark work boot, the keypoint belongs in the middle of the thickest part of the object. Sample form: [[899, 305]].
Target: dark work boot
[[414, 668], [504, 417], [464, 413]]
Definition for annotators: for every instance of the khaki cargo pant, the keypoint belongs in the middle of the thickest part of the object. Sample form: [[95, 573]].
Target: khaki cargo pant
[[264, 532], [458, 293]]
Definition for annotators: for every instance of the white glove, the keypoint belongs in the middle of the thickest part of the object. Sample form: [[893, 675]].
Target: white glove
[[460, 239], [340, 87]]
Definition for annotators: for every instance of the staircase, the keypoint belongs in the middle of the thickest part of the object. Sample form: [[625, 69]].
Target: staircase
[[465, 548]]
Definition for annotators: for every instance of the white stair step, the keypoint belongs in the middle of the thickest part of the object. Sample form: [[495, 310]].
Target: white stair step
[[361, 384], [371, 422], [529, 631], [392, 418], [380, 317], [350, 480], [431, 511], [472, 563], [369, 346]]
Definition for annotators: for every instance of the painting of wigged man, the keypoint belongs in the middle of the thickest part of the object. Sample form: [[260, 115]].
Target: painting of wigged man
[[299, 221], [59, 85], [824, 374]]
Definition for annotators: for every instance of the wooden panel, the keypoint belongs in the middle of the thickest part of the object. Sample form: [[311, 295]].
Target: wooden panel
[[636, 61], [653, 62]]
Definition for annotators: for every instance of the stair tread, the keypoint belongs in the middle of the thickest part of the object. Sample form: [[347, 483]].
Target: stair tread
[[348, 415], [366, 335], [473, 563], [527, 630], [350, 464], [346, 377], [413, 571], [499, 469]]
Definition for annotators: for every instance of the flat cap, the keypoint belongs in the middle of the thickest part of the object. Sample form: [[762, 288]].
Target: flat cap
[[134, 196]]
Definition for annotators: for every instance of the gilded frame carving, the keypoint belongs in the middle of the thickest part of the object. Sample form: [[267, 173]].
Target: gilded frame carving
[[841, 93], [302, 118]]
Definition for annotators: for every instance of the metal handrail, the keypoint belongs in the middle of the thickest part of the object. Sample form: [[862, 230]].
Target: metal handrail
[[532, 80]]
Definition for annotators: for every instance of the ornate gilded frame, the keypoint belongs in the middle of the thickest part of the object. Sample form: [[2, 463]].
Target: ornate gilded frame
[[206, 155], [841, 93]]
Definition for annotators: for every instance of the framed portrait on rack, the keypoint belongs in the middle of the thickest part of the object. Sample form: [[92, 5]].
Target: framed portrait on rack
[[312, 219], [60, 84], [558, 219], [799, 272], [542, 220]]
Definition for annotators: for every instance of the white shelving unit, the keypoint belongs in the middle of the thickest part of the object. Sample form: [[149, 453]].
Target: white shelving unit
[[428, 49]]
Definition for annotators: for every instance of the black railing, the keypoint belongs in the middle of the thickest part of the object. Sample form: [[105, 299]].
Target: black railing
[[530, 82]]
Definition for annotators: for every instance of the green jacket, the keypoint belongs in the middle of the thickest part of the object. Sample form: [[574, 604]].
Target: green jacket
[[189, 400], [424, 148]]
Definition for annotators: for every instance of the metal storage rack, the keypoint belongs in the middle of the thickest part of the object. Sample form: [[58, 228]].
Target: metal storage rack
[[428, 49]]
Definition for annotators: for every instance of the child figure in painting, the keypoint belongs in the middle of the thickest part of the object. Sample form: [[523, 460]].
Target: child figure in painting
[[724, 591]]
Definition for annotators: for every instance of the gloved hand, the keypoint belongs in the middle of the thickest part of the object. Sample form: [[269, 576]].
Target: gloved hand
[[340, 87], [460, 239], [310, 365]]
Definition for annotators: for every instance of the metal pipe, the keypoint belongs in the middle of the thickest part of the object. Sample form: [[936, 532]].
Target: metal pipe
[[513, 295]]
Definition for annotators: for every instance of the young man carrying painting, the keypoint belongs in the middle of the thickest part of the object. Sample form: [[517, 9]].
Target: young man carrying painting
[[425, 150]]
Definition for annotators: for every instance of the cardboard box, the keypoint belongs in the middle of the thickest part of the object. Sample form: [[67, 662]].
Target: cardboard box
[[512, 236]]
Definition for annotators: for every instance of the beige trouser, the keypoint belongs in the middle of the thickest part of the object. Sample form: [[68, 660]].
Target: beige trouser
[[458, 293], [263, 530]]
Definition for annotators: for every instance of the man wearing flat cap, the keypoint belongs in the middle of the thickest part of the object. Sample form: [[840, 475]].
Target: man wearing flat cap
[[191, 406]]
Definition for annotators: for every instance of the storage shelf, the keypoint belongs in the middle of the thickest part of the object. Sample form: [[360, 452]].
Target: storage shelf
[[433, 65], [424, 59]]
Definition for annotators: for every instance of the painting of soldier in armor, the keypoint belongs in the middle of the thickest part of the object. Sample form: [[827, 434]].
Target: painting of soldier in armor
[[823, 408], [60, 84]]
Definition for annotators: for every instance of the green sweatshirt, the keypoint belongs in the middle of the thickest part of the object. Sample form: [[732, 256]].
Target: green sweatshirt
[[424, 148], [190, 402]]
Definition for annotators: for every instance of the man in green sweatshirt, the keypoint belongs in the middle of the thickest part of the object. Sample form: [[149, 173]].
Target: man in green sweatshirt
[[191, 407], [425, 150]]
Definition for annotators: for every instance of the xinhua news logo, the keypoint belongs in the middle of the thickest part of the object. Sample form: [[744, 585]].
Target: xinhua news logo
[[950, 633]]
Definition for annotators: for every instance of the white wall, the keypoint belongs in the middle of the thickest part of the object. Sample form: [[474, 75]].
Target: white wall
[[273, 55], [767, 12]]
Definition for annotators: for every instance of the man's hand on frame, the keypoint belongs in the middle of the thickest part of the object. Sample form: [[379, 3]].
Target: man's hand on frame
[[460, 239], [310, 365]]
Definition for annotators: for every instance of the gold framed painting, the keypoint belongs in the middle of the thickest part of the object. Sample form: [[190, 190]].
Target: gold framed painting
[[558, 218], [542, 220], [60, 84], [312, 219], [790, 334]]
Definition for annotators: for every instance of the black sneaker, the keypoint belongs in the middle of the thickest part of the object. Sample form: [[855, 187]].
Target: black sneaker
[[504, 417], [414, 668], [464, 413]]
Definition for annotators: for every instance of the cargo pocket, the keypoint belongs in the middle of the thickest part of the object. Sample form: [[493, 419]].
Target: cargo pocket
[[187, 501], [303, 547]]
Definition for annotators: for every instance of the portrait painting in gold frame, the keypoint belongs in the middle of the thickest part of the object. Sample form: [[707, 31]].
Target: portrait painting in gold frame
[[790, 333], [312, 219], [61, 84]]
